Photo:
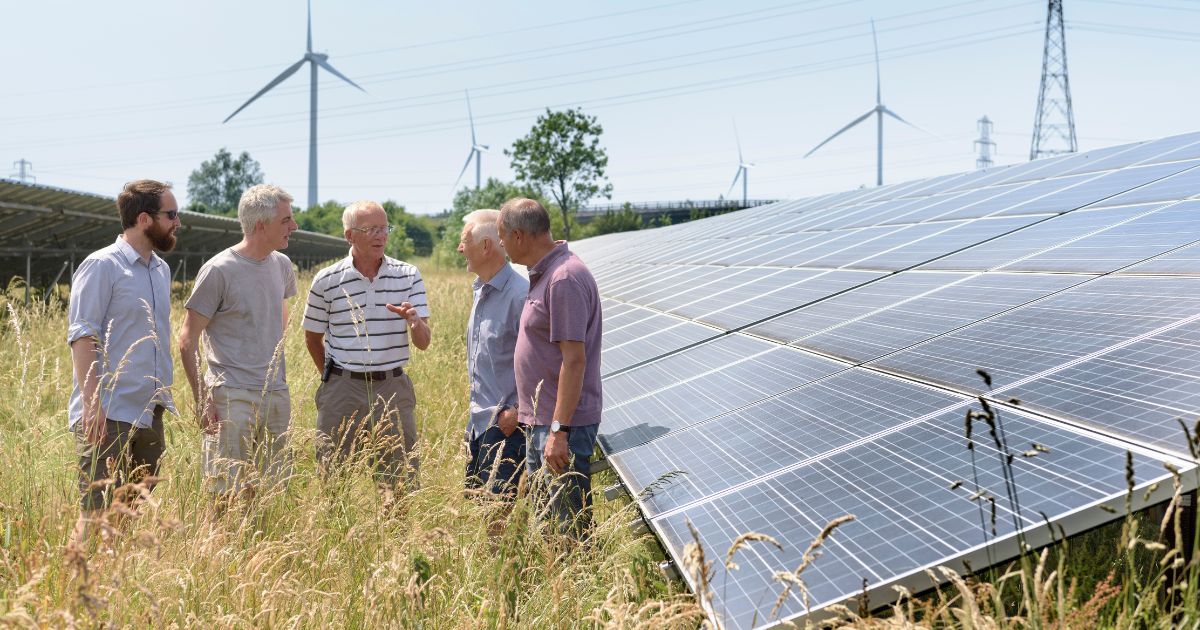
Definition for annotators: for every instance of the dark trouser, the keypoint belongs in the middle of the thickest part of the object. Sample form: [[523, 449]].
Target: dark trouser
[[496, 462], [126, 455], [567, 498]]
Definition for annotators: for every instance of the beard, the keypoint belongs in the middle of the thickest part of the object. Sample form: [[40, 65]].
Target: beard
[[161, 238]]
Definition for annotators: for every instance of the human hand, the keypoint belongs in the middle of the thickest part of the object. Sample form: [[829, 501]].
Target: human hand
[[407, 311], [507, 421], [210, 420], [95, 425], [556, 453]]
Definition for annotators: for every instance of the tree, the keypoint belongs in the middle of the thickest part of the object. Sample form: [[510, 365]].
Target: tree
[[218, 184], [624, 220], [492, 195], [562, 156]]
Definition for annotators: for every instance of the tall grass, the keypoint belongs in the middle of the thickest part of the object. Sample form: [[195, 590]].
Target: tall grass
[[319, 553]]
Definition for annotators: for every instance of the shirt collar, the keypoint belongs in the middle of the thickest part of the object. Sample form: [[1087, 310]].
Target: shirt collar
[[132, 256], [352, 269], [498, 281], [549, 260]]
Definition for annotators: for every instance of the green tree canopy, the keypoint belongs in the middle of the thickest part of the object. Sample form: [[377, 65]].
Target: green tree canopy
[[623, 220], [413, 237], [562, 157], [218, 184]]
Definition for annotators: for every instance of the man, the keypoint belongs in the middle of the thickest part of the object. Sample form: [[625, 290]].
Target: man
[[557, 359], [119, 330], [496, 447], [239, 303], [362, 312]]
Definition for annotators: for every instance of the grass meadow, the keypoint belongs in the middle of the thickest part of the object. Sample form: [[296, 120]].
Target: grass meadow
[[335, 553], [318, 554]]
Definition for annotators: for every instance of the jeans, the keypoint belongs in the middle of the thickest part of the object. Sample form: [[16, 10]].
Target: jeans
[[567, 498], [496, 462]]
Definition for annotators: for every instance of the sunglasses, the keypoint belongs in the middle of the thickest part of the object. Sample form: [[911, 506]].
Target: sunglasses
[[171, 214]]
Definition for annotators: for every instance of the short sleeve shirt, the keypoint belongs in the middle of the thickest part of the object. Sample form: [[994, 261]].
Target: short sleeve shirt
[[125, 303], [492, 331], [563, 305], [243, 299], [361, 335]]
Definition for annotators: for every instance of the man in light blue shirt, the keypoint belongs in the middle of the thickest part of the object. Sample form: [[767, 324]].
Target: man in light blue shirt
[[494, 438], [119, 330]]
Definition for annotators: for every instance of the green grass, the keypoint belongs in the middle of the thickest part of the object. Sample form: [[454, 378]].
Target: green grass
[[320, 553]]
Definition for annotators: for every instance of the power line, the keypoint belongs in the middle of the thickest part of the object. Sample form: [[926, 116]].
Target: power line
[[922, 48]]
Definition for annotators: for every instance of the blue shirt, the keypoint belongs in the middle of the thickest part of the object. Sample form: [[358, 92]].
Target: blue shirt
[[491, 339], [125, 303]]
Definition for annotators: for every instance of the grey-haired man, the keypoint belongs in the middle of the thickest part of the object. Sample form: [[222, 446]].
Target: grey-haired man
[[239, 304]]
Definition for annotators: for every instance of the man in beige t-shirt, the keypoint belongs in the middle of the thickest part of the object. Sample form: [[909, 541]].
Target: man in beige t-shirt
[[238, 302]]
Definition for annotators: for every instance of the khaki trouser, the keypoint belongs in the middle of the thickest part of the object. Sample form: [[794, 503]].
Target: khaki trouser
[[371, 418], [252, 439]]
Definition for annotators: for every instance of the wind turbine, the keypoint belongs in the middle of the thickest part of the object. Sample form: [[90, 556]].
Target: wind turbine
[[879, 111], [476, 149], [743, 170], [314, 60]]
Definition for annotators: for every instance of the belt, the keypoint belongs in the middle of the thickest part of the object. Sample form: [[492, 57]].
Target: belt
[[367, 376]]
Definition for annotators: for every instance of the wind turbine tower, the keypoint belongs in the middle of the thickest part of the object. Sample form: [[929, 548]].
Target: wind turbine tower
[[880, 110], [985, 144], [477, 150], [314, 60], [743, 170], [1054, 125]]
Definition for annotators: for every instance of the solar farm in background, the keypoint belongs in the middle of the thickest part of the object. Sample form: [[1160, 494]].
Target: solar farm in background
[[776, 368]]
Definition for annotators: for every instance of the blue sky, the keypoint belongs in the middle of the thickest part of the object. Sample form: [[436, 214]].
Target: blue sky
[[96, 94]]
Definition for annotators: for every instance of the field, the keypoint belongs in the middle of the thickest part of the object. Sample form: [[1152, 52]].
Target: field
[[316, 555], [335, 553]]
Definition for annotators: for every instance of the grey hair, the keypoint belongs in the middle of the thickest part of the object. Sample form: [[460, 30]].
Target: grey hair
[[258, 205], [348, 215], [526, 215], [483, 225]]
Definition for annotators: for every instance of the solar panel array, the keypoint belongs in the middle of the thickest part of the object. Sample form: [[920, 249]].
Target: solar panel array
[[773, 369]]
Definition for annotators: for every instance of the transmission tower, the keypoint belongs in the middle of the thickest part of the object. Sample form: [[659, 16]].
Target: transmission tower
[[24, 171], [1054, 127], [984, 143]]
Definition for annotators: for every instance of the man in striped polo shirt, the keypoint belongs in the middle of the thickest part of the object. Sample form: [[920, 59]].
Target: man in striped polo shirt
[[362, 313]]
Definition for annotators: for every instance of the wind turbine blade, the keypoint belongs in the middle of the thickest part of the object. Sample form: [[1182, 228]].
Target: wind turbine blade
[[464, 168], [325, 64], [897, 117], [840, 132], [735, 181], [471, 117], [875, 43], [279, 79], [309, 43]]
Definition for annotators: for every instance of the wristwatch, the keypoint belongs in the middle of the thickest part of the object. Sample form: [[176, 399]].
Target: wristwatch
[[557, 427]]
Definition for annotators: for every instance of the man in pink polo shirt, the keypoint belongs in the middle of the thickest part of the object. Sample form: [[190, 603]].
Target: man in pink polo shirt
[[557, 360]]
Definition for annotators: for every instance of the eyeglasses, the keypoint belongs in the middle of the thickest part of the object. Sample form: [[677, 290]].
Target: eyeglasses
[[171, 214], [375, 230]]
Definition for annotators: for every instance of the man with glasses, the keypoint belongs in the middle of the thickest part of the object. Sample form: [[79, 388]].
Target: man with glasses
[[362, 314], [119, 330], [239, 303]]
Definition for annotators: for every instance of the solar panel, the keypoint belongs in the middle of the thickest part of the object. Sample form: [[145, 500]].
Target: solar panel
[[909, 517], [773, 369]]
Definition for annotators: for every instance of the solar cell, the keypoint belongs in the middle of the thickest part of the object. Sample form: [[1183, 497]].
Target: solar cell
[[1049, 333], [660, 341], [767, 436], [725, 387], [1182, 261], [1179, 186], [1140, 391], [893, 324]]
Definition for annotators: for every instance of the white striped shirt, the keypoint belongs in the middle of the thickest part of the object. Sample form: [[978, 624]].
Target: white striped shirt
[[360, 333]]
